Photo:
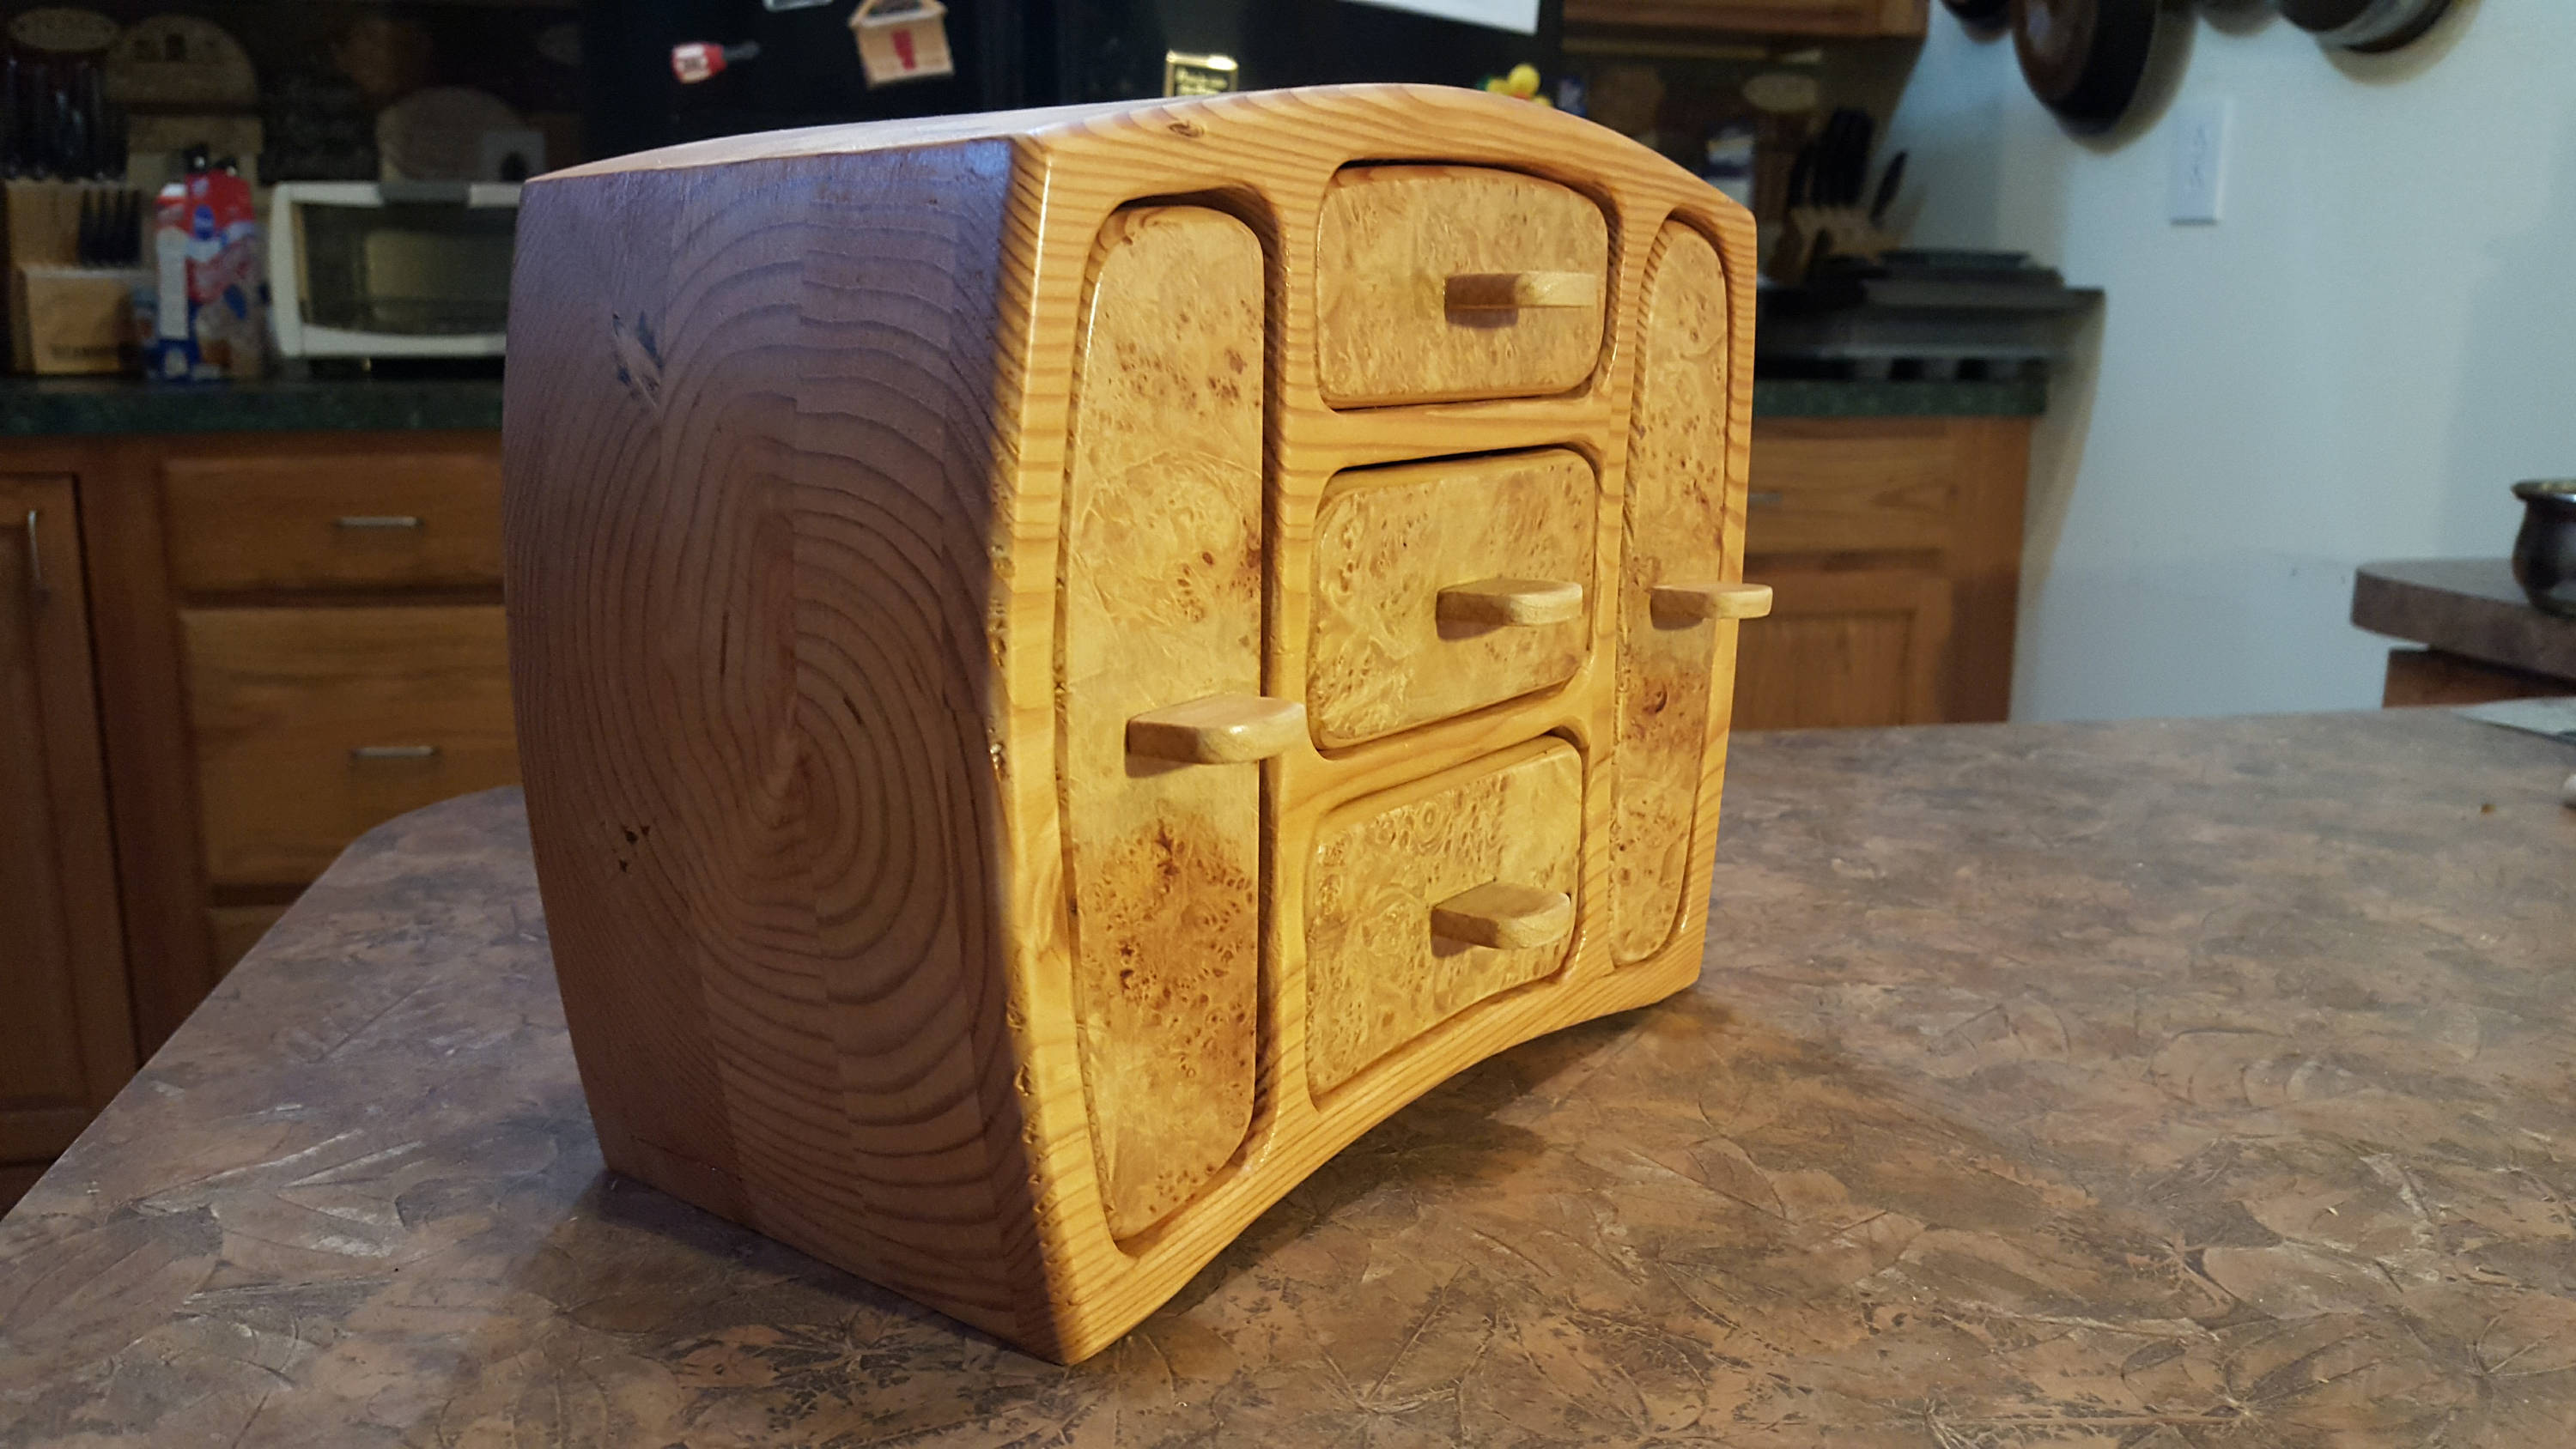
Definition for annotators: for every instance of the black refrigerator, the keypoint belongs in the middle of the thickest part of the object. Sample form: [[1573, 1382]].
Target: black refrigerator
[[1008, 54]]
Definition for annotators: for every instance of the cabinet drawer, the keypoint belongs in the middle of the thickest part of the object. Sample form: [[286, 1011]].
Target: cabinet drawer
[[313, 725], [1401, 878], [1843, 650], [1397, 639], [1851, 485], [335, 520], [1451, 282]]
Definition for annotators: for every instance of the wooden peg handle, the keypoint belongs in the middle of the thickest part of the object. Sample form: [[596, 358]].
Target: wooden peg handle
[[1512, 291], [1505, 916], [1677, 604], [1221, 729], [1512, 601]]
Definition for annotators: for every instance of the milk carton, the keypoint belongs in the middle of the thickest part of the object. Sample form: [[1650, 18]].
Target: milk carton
[[212, 319]]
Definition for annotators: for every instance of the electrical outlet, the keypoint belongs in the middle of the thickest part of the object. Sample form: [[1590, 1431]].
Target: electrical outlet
[[2199, 179]]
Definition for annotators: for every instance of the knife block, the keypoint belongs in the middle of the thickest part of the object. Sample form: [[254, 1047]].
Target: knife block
[[1070, 662]]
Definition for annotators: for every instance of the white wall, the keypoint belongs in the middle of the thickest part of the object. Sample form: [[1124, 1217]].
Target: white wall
[[2377, 338]]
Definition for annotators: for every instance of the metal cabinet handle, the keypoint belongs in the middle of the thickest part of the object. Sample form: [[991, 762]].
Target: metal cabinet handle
[[394, 752], [37, 591], [377, 520], [1765, 498]]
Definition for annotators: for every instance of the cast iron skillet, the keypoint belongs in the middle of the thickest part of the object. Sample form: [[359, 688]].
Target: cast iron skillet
[[2365, 25], [2084, 58]]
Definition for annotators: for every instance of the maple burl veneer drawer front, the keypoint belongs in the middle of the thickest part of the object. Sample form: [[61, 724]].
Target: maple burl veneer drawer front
[[1676, 536], [335, 521], [315, 725], [1398, 549], [1441, 283], [1378, 972], [1162, 605]]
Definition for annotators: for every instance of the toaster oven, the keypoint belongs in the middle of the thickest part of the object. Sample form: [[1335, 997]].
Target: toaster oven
[[366, 269]]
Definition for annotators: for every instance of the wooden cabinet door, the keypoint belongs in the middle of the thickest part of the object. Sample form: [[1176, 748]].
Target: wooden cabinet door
[[66, 1033], [1858, 648]]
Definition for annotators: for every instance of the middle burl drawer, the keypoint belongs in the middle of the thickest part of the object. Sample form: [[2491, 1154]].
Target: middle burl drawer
[[1444, 587]]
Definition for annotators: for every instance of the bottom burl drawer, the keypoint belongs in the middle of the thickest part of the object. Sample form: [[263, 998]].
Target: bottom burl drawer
[[314, 725], [1436, 895]]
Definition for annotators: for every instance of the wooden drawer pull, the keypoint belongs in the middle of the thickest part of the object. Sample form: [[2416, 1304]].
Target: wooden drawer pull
[[1504, 916], [1511, 601], [377, 520], [1222, 729], [1512, 291], [1680, 604], [394, 752]]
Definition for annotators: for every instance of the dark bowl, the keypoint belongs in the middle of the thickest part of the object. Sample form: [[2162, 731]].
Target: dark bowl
[[2544, 553]]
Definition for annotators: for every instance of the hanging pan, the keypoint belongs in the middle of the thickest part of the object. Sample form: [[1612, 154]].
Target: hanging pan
[[2369, 26], [2084, 59]]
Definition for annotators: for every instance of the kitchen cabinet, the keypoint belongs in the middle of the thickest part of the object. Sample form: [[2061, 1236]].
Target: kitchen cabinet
[[1839, 18], [296, 637], [1893, 549], [66, 1033]]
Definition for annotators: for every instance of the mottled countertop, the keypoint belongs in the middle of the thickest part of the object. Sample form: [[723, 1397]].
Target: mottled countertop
[[56, 406], [2465, 606], [2150, 1085]]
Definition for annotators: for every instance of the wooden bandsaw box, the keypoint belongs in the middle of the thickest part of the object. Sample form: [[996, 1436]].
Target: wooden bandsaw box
[[1069, 662]]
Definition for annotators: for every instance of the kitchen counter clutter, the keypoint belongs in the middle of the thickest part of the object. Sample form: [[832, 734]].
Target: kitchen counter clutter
[[2146, 1081]]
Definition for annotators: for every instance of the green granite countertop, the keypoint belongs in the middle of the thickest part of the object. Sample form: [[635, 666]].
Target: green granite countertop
[[54, 406], [42, 407]]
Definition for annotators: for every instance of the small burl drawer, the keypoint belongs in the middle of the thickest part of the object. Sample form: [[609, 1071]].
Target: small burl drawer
[[1445, 283], [334, 521], [1444, 587], [314, 725], [1433, 896]]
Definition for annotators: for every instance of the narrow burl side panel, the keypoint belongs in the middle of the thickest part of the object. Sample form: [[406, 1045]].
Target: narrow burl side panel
[[1162, 604], [1676, 531], [748, 511]]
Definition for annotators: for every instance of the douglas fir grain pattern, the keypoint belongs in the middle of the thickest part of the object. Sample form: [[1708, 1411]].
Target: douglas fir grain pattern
[[923, 594]]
